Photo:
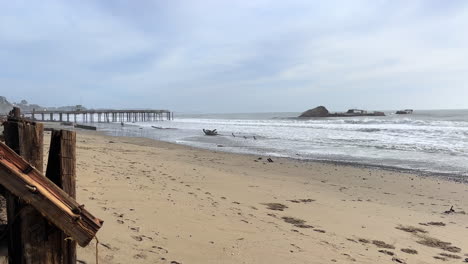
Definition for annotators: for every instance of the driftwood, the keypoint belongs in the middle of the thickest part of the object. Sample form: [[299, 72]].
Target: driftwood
[[85, 127], [66, 123], [210, 132], [32, 187]]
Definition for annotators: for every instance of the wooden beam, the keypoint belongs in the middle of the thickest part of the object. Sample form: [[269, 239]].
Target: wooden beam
[[27, 183]]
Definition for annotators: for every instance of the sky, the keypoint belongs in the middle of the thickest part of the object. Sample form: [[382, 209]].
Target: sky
[[220, 56]]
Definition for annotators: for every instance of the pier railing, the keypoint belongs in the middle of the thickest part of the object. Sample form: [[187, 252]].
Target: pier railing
[[101, 116]]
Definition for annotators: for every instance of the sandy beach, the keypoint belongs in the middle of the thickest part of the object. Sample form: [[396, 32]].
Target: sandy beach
[[166, 203]]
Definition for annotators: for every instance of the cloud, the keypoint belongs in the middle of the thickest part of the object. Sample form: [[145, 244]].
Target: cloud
[[231, 56]]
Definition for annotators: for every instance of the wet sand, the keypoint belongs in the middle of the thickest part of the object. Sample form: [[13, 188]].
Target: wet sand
[[166, 203]]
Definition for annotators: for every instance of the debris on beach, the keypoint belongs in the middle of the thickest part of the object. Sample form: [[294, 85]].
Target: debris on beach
[[452, 211], [210, 132]]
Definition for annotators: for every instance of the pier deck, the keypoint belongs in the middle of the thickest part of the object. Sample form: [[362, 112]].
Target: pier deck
[[101, 115]]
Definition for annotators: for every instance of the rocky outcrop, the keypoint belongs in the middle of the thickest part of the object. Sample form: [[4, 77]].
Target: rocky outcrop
[[320, 111]]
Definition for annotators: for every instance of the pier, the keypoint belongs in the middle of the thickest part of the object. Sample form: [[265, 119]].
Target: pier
[[101, 116]]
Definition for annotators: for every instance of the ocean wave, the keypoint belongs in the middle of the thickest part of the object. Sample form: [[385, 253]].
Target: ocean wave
[[437, 144], [331, 121], [368, 129]]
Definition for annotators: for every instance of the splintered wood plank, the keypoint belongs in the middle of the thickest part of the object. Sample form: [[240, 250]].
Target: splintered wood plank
[[27, 183]]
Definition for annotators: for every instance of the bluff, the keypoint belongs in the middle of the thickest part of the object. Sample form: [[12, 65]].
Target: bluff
[[5, 106]]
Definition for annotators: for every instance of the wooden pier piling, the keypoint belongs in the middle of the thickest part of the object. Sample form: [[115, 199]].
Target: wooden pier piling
[[61, 170], [26, 139]]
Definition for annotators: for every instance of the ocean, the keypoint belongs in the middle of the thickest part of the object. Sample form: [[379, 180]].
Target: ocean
[[430, 141]]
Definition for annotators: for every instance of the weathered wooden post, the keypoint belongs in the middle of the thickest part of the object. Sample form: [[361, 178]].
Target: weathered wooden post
[[26, 226], [61, 170]]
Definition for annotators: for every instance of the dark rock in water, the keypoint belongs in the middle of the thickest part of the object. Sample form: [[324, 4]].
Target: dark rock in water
[[320, 111]]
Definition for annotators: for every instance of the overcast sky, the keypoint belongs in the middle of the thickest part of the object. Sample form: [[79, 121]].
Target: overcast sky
[[236, 56]]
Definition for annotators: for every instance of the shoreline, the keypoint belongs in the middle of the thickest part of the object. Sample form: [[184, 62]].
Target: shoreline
[[459, 178]]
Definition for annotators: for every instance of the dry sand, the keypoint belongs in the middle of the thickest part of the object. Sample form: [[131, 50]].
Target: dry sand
[[165, 203]]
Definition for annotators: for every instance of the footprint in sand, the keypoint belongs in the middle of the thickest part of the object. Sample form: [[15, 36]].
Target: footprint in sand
[[302, 200], [433, 224], [160, 249], [135, 229], [138, 238], [382, 244], [139, 256], [386, 252], [296, 222], [409, 251]]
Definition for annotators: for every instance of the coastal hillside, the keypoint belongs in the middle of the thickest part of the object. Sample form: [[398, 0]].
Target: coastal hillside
[[6, 106]]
